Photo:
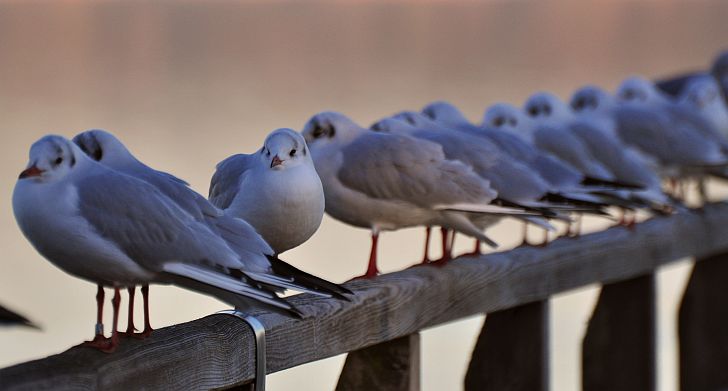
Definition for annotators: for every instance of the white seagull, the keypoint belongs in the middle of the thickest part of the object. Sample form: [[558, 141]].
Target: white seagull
[[385, 181], [276, 190]]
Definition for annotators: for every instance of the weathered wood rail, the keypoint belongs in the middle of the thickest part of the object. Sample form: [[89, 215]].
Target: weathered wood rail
[[513, 287]]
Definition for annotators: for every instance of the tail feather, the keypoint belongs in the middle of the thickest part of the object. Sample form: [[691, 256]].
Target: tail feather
[[308, 280], [591, 181], [486, 208], [225, 287]]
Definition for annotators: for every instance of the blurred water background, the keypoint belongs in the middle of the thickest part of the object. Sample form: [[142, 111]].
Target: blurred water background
[[186, 84]]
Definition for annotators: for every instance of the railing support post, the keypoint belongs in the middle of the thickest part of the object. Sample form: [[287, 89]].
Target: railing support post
[[703, 326], [512, 350], [618, 352], [388, 366]]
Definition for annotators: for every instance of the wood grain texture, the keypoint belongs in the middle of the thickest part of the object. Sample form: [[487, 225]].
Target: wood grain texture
[[619, 349], [216, 351], [512, 351], [703, 327], [389, 366]]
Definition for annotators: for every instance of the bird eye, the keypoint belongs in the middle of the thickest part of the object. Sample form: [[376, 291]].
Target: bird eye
[[58, 161], [318, 132], [579, 104], [533, 111], [293, 153], [498, 121]]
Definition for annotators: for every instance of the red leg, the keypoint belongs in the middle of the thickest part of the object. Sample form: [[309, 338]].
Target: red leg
[[447, 241], [372, 270], [426, 258], [99, 340], [476, 249], [147, 326], [114, 340], [130, 329], [446, 249], [524, 242]]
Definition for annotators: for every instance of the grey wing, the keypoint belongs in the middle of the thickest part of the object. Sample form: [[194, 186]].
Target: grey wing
[[146, 225], [625, 166], [698, 124], [512, 180], [551, 169], [653, 133], [180, 192], [224, 184], [404, 168], [561, 144]]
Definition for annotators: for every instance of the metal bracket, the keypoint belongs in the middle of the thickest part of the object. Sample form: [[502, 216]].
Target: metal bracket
[[260, 357]]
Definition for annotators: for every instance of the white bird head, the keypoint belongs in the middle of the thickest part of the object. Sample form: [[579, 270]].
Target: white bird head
[[103, 147], [391, 125], [547, 108], [284, 148], [510, 118], [445, 113], [591, 99], [51, 158], [416, 119], [504, 116], [329, 127], [703, 95], [637, 89]]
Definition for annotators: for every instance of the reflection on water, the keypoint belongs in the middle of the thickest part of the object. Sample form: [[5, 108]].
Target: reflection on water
[[187, 84]]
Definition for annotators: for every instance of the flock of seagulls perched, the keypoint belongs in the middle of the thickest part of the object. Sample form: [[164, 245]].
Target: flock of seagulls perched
[[97, 212]]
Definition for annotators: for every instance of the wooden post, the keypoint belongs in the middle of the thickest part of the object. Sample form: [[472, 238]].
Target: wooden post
[[512, 350], [618, 352], [388, 366], [703, 326]]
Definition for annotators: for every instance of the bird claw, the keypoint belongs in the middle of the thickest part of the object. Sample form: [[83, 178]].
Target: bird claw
[[101, 343]]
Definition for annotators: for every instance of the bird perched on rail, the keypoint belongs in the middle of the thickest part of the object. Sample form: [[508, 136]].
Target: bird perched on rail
[[385, 181], [117, 230], [276, 190]]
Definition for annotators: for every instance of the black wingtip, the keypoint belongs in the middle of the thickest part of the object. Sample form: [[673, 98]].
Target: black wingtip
[[591, 181], [307, 280]]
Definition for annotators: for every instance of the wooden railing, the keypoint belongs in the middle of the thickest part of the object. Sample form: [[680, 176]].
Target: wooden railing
[[380, 325]]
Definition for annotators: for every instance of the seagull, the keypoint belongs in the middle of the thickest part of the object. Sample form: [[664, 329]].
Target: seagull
[[10, 318], [276, 190], [386, 182], [116, 230], [702, 97], [513, 182]]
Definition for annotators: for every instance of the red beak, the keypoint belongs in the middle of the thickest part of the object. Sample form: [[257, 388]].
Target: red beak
[[30, 172], [276, 161]]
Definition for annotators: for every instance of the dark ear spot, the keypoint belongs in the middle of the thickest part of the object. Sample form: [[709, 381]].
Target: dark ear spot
[[332, 131], [305, 151], [73, 160]]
